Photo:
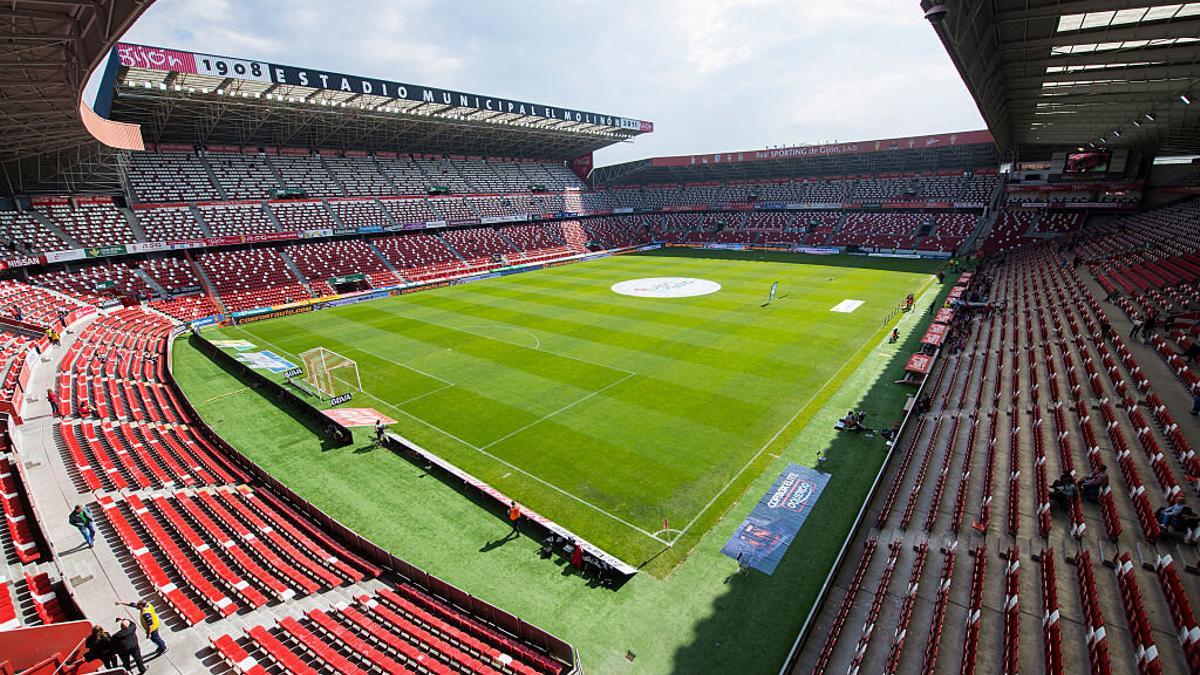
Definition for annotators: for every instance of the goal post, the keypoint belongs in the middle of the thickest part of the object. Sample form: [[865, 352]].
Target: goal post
[[330, 374]]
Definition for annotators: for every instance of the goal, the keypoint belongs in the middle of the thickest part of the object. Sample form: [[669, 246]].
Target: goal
[[330, 374]]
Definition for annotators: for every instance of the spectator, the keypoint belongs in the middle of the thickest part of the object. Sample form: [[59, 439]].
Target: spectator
[[1063, 489], [514, 516], [1195, 400], [577, 556], [1192, 351], [1092, 486], [150, 623], [125, 644], [1137, 326], [52, 399], [100, 647], [1148, 328], [82, 520]]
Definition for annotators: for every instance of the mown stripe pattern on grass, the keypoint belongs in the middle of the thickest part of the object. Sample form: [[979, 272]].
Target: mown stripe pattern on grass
[[633, 409]]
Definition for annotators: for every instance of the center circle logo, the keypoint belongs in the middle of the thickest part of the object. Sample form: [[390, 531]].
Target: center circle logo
[[666, 287]]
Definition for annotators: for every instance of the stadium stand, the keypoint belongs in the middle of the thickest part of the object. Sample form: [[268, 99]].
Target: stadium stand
[[988, 418], [415, 210], [242, 176], [407, 176], [360, 176], [1016, 229], [88, 282], [245, 279], [302, 215], [949, 232], [91, 224], [879, 230], [169, 224], [22, 232], [420, 256], [226, 220], [170, 177], [178, 508], [477, 243], [618, 232], [359, 213], [321, 261], [306, 173], [35, 305]]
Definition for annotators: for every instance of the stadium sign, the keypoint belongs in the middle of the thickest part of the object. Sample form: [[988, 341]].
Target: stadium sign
[[170, 60], [856, 148], [103, 251]]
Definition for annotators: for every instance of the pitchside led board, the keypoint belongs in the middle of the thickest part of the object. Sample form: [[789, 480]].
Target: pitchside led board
[[764, 536], [170, 60]]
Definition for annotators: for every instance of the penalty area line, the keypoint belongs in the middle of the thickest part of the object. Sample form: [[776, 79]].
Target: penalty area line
[[485, 453], [547, 416]]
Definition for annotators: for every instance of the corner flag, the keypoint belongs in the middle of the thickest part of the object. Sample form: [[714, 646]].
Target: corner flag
[[774, 287]]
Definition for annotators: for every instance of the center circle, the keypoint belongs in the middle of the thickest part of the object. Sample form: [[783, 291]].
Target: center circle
[[666, 287]]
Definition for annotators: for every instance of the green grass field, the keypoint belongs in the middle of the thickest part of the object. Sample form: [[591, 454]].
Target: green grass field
[[718, 379], [605, 412]]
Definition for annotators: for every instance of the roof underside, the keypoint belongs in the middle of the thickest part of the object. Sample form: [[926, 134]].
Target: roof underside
[[973, 156], [1054, 74], [48, 48], [203, 109]]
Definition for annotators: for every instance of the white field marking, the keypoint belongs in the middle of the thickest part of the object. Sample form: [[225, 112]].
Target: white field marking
[[847, 306], [405, 365], [378, 356], [867, 344], [428, 393], [228, 393], [518, 344], [537, 342], [665, 287], [572, 404], [485, 453]]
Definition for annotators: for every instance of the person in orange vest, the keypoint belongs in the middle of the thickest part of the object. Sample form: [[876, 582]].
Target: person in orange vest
[[514, 516]]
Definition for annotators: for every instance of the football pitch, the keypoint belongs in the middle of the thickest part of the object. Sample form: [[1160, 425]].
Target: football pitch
[[634, 421]]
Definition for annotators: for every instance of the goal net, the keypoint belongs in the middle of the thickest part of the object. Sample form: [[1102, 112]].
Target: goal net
[[330, 374]]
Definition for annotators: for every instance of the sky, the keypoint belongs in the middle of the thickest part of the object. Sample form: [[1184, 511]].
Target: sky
[[713, 75]]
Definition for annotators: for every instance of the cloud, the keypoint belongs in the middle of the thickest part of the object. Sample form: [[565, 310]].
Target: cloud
[[713, 75]]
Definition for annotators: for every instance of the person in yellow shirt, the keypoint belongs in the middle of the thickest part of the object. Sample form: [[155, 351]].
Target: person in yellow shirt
[[150, 623]]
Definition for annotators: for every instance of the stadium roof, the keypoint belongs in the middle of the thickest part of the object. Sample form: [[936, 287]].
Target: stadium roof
[[963, 150], [1054, 74], [185, 97], [48, 48]]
